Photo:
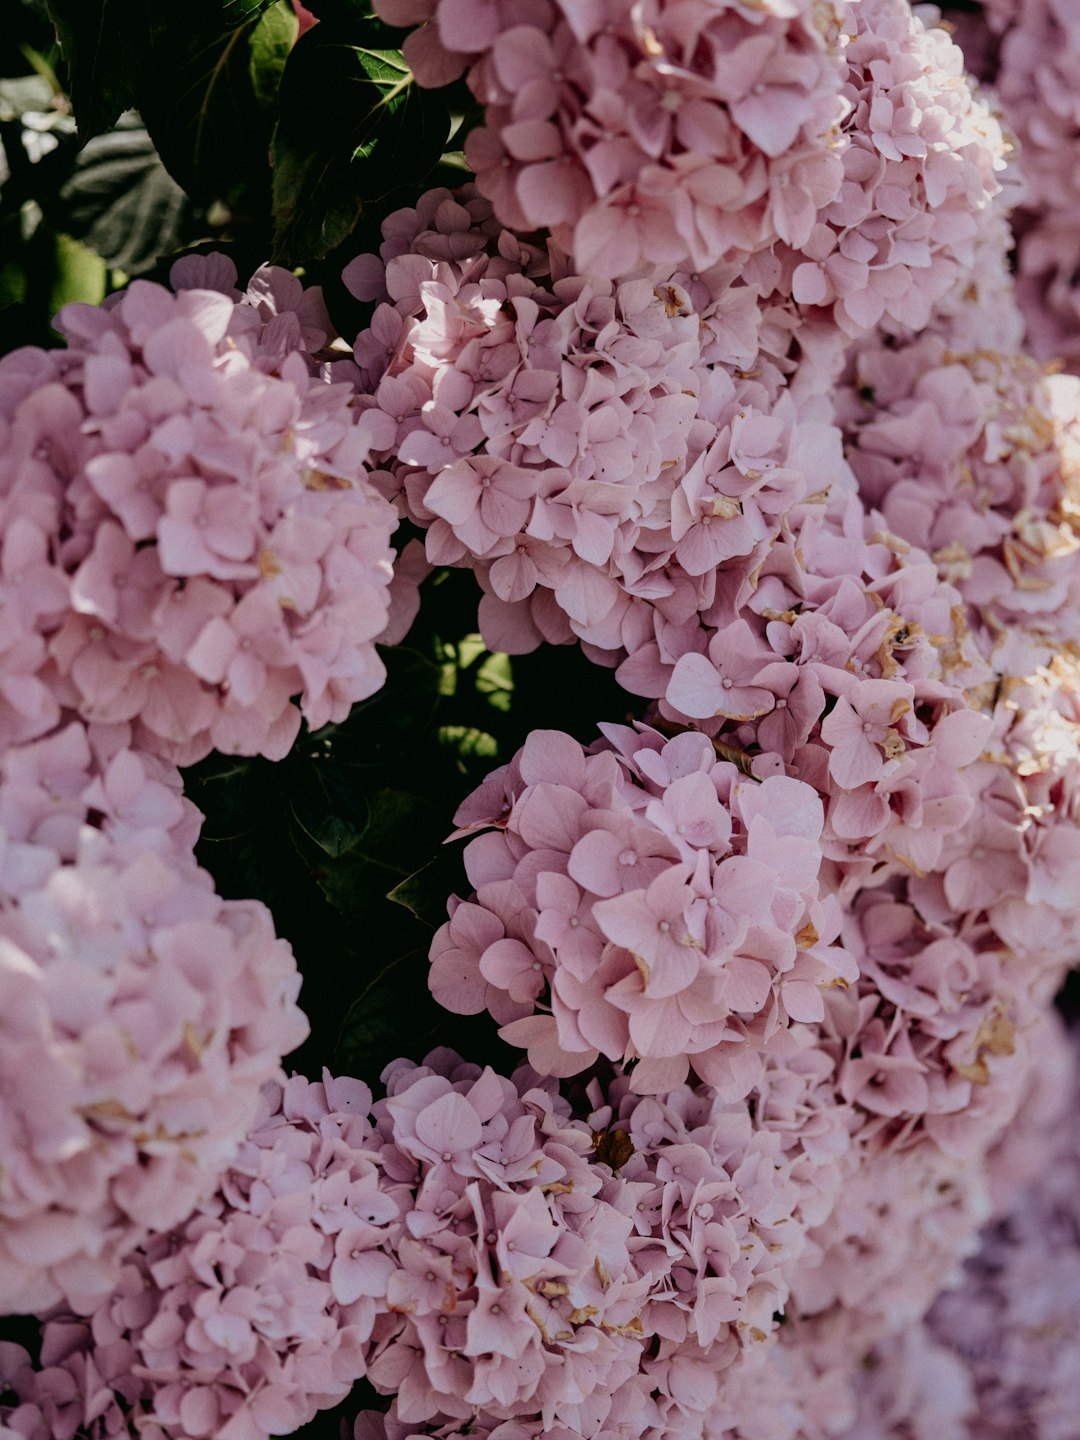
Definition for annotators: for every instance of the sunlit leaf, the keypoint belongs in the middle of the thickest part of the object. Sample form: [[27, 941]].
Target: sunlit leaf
[[271, 41]]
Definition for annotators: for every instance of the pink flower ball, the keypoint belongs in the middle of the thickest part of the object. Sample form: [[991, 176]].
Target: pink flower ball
[[594, 451], [973, 458], [835, 152], [467, 1244], [190, 540], [662, 134], [921, 156], [997, 1353], [1036, 79], [656, 907], [141, 1015]]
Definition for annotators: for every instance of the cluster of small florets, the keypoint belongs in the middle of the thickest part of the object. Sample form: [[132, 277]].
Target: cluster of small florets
[[665, 910], [975, 459], [831, 884], [997, 1353], [649, 134], [920, 157], [465, 1243], [141, 1015], [1029, 52], [838, 144], [190, 538], [245, 1318], [993, 500], [593, 450], [708, 538]]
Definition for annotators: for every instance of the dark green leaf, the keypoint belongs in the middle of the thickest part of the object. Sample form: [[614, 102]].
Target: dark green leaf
[[396, 718], [121, 201], [205, 95], [381, 857], [238, 12], [327, 801], [426, 891], [383, 138], [200, 108], [392, 1018], [98, 39]]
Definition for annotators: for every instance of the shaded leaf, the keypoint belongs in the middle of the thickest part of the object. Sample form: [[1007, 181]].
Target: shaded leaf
[[24, 92], [200, 107], [396, 718], [379, 858], [98, 39], [393, 1018], [122, 202], [238, 12], [426, 891], [327, 800], [384, 136]]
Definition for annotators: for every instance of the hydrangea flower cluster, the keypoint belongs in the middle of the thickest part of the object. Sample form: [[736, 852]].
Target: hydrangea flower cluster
[[997, 1353], [995, 504], [714, 372], [141, 1014], [735, 578], [975, 459], [593, 450], [189, 537], [649, 135], [921, 155], [665, 911], [836, 144], [1029, 51], [466, 1244]]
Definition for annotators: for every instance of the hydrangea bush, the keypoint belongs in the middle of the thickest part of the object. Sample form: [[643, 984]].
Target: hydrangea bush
[[612, 584]]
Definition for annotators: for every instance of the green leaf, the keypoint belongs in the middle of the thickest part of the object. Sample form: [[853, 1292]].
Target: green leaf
[[204, 93], [393, 1018], [272, 39], [326, 798], [238, 12], [199, 105], [397, 718], [383, 138], [377, 860], [121, 201], [80, 274], [469, 741], [98, 39], [495, 679], [426, 891]]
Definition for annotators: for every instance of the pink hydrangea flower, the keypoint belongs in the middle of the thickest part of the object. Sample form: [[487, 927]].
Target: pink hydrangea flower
[[594, 451], [663, 909], [141, 1014], [656, 135], [466, 1244], [997, 1352], [920, 172], [190, 538], [1033, 64]]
